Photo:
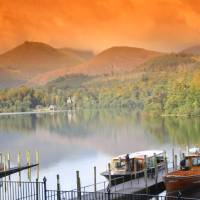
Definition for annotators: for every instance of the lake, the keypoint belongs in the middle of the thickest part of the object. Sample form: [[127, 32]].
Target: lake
[[79, 140]]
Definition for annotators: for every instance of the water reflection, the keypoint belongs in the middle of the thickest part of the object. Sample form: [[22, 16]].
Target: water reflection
[[81, 139]]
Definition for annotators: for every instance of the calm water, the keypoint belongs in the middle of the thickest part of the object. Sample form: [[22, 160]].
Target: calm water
[[71, 141]]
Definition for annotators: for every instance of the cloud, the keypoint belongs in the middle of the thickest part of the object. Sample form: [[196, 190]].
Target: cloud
[[158, 24]]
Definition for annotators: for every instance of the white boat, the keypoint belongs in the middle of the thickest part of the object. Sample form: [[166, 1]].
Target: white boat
[[126, 166]]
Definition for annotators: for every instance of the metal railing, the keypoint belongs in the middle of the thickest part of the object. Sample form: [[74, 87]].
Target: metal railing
[[74, 195], [13, 190]]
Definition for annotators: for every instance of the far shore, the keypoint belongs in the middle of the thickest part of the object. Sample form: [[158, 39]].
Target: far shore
[[33, 112]]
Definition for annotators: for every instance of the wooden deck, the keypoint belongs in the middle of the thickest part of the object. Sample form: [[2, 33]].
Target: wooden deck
[[14, 170]]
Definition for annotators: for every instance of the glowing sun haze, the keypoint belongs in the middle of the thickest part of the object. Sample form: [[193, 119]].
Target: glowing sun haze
[[166, 25]]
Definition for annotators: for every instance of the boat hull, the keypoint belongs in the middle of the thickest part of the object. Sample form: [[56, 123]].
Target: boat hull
[[175, 184], [123, 177]]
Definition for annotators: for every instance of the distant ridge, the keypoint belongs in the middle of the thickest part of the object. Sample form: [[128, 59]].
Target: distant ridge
[[112, 60], [33, 58], [195, 50]]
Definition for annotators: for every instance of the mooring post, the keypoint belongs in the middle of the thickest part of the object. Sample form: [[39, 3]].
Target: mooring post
[[78, 181], [166, 163], [145, 173], [156, 169], [58, 187], [37, 190], [1, 157], [175, 162], [109, 172], [95, 180], [37, 158], [8, 160], [19, 165], [45, 188], [28, 159], [135, 168]]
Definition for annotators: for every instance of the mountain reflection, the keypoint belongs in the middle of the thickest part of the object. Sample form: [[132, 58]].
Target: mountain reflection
[[78, 134]]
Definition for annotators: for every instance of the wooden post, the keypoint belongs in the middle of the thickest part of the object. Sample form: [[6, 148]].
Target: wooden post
[[19, 165], [1, 158], [135, 169], [37, 158], [95, 180], [173, 159], [145, 173], [78, 181], [175, 162], [156, 168], [166, 163], [58, 187], [109, 171], [8, 160], [28, 159]]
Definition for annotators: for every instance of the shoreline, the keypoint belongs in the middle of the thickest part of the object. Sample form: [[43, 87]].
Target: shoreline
[[32, 112]]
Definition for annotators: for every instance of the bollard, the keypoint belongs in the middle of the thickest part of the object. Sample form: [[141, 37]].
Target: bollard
[[145, 173], [78, 182], [58, 187]]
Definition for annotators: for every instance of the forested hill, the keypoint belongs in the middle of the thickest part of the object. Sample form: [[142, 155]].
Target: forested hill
[[168, 84]]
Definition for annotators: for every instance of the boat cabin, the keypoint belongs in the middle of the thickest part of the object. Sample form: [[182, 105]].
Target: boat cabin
[[128, 162], [190, 162]]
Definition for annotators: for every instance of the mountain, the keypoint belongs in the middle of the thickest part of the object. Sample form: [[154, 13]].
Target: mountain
[[195, 50], [82, 55], [33, 58], [112, 60], [115, 60]]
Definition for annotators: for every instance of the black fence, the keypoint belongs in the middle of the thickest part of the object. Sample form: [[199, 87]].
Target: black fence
[[12, 190], [74, 195]]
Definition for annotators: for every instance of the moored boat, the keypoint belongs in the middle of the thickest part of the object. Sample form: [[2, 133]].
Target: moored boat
[[187, 177], [128, 166]]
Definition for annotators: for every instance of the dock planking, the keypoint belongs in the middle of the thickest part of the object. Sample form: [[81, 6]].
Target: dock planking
[[14, 170]]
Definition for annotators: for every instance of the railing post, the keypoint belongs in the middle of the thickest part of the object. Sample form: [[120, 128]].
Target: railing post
[[78, 181], [37, 189], [58, 187], [145, 173], [45, 188]]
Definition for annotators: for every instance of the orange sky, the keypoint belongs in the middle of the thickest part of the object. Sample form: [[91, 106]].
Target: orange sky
[[166, 25]]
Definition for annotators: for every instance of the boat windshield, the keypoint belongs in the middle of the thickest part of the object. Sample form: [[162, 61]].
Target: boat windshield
[[196, 161], [120, 164]]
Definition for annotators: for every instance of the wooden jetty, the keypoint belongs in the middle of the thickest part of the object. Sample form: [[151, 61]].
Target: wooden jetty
[[14, 170]]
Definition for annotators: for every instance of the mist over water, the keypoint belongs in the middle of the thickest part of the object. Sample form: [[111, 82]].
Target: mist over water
[[80, 140]]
